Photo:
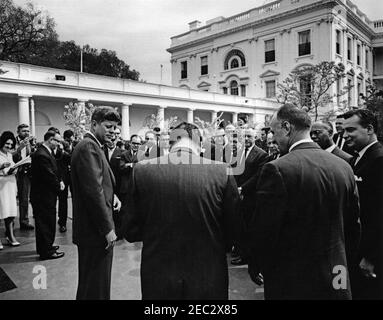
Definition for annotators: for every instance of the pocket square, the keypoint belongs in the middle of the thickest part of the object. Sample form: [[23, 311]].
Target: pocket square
[[358, 179]]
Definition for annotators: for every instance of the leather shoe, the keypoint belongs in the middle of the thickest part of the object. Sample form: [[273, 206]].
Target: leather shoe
[[26, 226], [54, 255], [238, 262], [62, 229], [55, 248]]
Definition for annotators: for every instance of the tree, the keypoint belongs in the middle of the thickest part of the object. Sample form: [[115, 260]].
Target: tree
[[23, 31], [78, 118], [308, 87], [373, 101], [28, 35]]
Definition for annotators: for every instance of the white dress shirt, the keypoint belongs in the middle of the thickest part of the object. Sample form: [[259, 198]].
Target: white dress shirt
[[363, 151]]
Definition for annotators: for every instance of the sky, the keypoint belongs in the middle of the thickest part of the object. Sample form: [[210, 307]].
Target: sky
[[140, 30]]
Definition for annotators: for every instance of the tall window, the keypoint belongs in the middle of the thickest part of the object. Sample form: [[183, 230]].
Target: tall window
[[338, 91], [305, 89], [338, 41], [243, 90], [270, 89], [224, 90], [304, 47], [349, 41], [184, 69], [204, 65], [234, 88], [358, 55], [270, 50], [359, 88]]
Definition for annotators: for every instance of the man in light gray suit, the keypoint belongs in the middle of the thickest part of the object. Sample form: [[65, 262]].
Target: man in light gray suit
[[185, 212]]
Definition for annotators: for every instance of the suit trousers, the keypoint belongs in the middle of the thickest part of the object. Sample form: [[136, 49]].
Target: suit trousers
[[63, 206], [45, 227], [95, 271], [23, 191]]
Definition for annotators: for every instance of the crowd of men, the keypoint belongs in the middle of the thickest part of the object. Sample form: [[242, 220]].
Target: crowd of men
[[301, 206]]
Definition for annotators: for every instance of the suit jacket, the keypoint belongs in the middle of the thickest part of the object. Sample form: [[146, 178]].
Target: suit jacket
[[25, 169], [93, 183], [306, 218], [341, 154], [185, 214], [369, 175], [126, 171], [45, 183], [115, 163], [250, 168], [63, 164]]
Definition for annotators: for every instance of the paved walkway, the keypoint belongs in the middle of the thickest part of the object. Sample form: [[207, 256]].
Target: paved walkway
[[19, 263]]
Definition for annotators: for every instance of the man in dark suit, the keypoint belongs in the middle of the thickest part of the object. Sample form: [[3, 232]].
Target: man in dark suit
[[250, 160], [25, 146], [185, 214], [93, 203], [63, 157], [306, 215], [150, 149], [45, 186], [129, 159], [361, 127], [321, 133]]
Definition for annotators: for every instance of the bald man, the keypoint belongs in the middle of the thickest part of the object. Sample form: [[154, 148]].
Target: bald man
[[322, 134]]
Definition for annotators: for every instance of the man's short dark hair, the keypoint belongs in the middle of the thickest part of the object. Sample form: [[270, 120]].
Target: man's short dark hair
[[49, 134], [5, 136], [243, 119], [54, 129], [101, 114], [134, 136], [297, 117], [366, 117], [22, 126], [68, 134], [185, 129]]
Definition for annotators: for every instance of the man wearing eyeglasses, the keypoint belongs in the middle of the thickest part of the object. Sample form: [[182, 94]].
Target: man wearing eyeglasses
[[128, 159], [45, 187]]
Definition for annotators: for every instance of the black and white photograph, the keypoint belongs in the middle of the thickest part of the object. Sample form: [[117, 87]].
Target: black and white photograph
[[199, 151]]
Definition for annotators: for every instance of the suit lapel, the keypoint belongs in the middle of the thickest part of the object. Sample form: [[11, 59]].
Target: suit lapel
[[365, 160]]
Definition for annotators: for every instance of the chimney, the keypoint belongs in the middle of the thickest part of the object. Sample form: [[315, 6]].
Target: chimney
[[194, 25]]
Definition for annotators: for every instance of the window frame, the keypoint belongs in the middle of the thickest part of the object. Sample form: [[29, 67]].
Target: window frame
[[307, 51], [274, 88], [184, 69], [204, 67], [271, 53]]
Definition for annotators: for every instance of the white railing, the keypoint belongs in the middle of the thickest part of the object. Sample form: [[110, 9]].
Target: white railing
[[239, 18], [269, 8]]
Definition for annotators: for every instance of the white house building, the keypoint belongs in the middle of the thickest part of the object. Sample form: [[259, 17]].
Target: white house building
[[249, 53], [37, 96]]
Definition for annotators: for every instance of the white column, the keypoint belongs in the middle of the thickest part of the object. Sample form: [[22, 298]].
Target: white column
[[161, 116], [213, 115], [125, 129], [190, 115], [234, 117], [33, 122], [24, 110]]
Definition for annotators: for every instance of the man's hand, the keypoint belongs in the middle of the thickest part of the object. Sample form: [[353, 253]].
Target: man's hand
[[5, 165], [62, 185], [110, 239], [367, 268], [116, 203]]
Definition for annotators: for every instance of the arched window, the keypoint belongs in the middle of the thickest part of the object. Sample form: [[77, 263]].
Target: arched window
[[234, 88], [239, 57], [234, 63]]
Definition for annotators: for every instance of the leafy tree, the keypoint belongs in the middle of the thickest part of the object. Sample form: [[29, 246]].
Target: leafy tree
[[23, 31], [27, 35], [308, 87], [373, 101]]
